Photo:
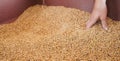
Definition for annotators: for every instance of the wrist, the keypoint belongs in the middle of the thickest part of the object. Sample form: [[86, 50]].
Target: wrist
[[101, 1]]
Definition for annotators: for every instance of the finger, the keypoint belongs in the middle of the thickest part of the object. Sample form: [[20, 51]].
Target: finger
[[104, 24], [91, 22]]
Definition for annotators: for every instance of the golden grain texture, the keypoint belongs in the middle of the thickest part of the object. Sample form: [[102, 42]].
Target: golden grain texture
[[56, 33]]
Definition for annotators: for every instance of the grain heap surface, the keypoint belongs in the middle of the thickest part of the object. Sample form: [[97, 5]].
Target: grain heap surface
[[56, 33]]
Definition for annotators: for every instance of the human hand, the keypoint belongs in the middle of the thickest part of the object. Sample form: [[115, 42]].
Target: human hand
[[99, 13]]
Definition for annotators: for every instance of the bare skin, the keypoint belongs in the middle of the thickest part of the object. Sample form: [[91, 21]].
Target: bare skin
[[99, 13]]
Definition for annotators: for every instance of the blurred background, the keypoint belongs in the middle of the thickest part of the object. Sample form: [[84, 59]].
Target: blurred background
[[11, 9]]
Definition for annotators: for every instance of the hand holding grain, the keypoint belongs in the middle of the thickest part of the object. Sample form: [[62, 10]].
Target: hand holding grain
[[99, 12]]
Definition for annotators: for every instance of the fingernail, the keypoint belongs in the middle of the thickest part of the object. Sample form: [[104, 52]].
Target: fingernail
[[106, 28]]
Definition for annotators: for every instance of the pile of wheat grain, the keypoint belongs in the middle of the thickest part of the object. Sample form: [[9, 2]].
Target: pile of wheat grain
[[56, 33]]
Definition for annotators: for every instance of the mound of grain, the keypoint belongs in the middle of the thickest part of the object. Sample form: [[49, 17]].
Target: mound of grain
[[55, 33]]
